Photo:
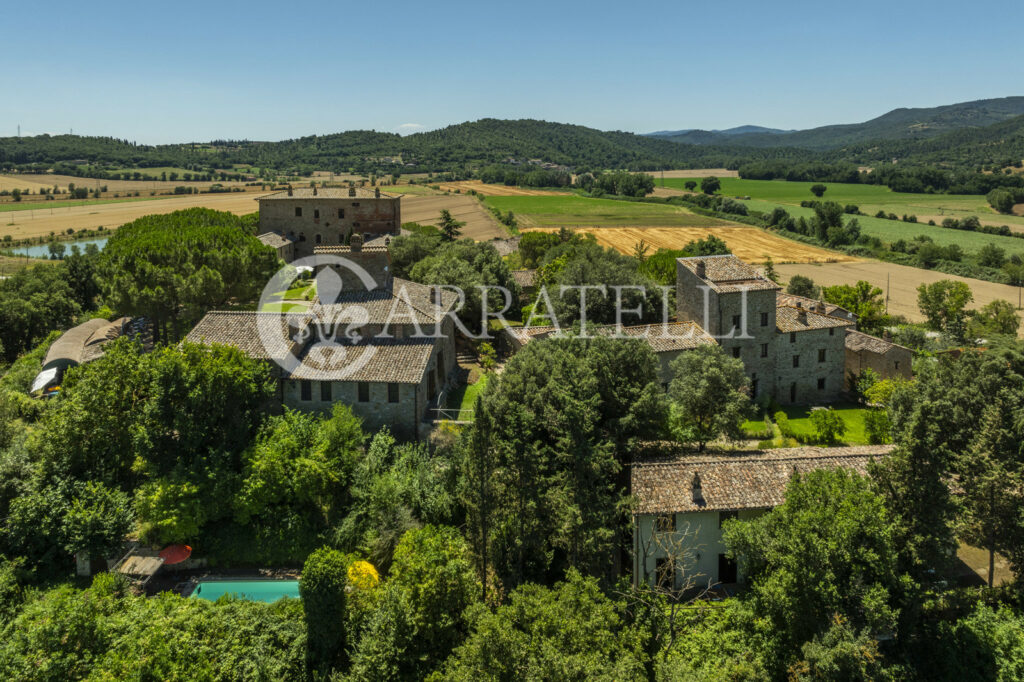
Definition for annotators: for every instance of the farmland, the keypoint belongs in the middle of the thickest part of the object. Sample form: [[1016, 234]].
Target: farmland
[[749, 243], [870, 199], [26, 224], [496, 190], [36, 182], [899, 282], [480, 225], [571, 210]]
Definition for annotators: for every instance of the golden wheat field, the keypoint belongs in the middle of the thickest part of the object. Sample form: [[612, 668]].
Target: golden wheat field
[[749, 243], [899, 282], [495, 190]]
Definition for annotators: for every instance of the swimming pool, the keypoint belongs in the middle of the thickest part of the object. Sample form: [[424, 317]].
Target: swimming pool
[[253, 590]]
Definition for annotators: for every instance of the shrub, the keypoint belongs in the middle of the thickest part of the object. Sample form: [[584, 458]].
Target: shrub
[[323, 597], [828, 425]]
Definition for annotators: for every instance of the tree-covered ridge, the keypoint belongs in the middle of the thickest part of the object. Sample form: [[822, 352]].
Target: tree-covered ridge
[[911, 124]]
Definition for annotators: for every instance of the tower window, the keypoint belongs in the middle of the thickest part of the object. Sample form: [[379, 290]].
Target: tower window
[[821, 355], [796, 360], [764, 319], [316, 213], [341, 213], [298, 211], [821, 384]]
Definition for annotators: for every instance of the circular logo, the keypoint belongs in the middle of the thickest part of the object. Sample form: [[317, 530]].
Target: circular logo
[[323, 340]]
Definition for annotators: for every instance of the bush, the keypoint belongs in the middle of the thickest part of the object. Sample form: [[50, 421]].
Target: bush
[[877, 426], [324, 577], [828, 425]]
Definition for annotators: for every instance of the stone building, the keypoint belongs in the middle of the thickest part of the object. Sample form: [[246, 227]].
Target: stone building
[[311, 217], [890, 360], [284, 246], [386, 350], [792, 353], [682, 503]]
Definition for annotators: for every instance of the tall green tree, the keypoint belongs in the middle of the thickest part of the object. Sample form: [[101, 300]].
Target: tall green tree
[[863, 299], [172, 268], [944, 304], [830, 548], [322, 587], [449, 226], [709, 394]]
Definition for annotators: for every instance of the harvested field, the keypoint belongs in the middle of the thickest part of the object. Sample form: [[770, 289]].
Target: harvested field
[[48, 180], [480, 224], [749, 243], [41, 222], [496, 190], [12, 264], [900, 282], [572, 210]]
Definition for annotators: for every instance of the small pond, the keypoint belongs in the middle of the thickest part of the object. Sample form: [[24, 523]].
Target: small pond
[[43, 250]]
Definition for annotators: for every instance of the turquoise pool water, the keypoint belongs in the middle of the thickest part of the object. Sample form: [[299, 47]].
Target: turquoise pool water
[[254, 590]]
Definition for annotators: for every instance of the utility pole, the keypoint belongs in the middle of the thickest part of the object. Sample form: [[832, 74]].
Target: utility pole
[[887, 293]]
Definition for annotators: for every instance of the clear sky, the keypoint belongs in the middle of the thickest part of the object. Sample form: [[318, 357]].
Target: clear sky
[[182, 71]]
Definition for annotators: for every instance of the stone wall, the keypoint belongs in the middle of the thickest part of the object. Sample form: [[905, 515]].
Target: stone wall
[[401, 417], [742, 322], [897, 363], [326, 221], [800, 385]]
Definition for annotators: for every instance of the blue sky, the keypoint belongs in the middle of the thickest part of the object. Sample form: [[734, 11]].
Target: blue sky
[[272, 70]]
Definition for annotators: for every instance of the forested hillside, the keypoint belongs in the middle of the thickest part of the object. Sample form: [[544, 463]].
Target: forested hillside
[[898, 124]]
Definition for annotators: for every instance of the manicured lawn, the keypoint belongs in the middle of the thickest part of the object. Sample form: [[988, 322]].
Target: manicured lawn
[[297, 292], [464, 398], [575, 211], [284, 308], [800, 422]]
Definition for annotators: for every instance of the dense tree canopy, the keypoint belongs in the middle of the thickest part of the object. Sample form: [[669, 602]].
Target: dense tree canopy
[[172, 268]]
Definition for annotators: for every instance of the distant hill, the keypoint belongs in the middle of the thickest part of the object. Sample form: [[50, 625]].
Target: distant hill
[[898, 124], [465, 145], [1000, 145], [715, 135]]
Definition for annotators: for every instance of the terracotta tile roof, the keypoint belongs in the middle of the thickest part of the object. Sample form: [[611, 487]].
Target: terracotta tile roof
[[399, 361], [273, 239], [743, 481], [524, 278], [662, 338], [816, 306], [406, 302], [240, 328], [325, 193], [728, 273], [792, 319], [858, 341]]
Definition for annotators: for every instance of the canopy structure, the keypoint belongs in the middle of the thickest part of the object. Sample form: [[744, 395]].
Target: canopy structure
[[139, 568], [175, 554]]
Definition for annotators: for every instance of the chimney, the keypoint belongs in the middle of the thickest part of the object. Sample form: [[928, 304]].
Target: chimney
[[352, 191], [801, 315], [698, 492], [314, 190], [356, 242], [289, 190], [376, 192], [887, 336], [800, 304], [702, 269], [435, 296]]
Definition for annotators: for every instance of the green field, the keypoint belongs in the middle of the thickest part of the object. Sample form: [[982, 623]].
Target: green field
[[576, 211], [767, 194], [870, 199], [464, 397], [800, 422]]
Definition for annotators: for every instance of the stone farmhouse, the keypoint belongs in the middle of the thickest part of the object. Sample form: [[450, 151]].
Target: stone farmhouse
[[683, 502], [386, 350], [308, 217], [888, 359], [793, 353]]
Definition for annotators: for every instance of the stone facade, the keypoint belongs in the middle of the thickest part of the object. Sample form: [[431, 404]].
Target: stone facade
[[327, 216], [889, 360], [809, 366], [743, 311]]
